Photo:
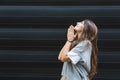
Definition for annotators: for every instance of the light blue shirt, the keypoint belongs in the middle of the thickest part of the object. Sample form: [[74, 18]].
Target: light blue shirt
[[80, 65]]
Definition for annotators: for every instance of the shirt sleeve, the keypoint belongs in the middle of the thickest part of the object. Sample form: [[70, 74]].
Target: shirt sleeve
[[74, 54]]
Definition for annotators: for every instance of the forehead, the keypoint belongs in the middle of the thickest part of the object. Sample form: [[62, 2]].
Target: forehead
[[82, 22]]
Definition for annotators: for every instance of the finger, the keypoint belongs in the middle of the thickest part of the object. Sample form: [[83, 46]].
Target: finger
[[68, 29], [72, 26]]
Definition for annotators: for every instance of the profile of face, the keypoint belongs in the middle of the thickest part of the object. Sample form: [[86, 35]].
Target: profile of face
[[86, 29], [79, 27]]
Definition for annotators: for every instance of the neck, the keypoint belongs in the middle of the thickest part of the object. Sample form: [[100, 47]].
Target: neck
[[79, 34]]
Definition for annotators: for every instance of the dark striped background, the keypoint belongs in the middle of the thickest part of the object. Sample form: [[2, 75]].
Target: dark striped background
[[32, 32]]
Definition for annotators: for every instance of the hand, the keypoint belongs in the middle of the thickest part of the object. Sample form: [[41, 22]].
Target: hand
[[70, 33]]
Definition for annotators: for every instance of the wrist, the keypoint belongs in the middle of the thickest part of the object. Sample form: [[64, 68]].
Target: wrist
[[71, 41]]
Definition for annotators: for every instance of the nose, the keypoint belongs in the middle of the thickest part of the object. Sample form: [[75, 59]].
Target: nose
[[75, 27]]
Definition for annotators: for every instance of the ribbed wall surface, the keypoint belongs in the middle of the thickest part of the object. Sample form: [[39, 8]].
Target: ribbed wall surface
[[32, 32]]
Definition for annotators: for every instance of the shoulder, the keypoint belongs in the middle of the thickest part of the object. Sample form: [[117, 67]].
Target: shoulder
[[82, 46], [84, 43]]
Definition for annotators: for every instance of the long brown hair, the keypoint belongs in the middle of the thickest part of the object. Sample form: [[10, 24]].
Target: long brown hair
[[90, 33]]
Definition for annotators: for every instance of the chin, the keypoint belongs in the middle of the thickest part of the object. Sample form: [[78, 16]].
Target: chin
[[75, 29]]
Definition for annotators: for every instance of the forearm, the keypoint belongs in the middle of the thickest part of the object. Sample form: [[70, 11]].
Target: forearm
[[70, 36], [63, 53], [59, 57]]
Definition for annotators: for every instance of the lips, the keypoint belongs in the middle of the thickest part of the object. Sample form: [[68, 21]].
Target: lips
[[75, 28]]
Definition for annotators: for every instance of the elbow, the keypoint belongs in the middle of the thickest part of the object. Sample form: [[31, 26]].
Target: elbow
[[65, 59], [62, 59]]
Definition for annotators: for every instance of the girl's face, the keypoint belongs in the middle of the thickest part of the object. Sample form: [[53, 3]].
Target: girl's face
[[79, 27]]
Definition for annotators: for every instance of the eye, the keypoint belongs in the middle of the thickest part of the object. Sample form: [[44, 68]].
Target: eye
[[77, 25]]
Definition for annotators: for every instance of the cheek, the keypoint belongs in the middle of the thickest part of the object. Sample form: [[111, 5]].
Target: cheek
[[79, 29]]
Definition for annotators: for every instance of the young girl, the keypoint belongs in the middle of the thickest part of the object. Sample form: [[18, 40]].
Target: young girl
[[79, 53]]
